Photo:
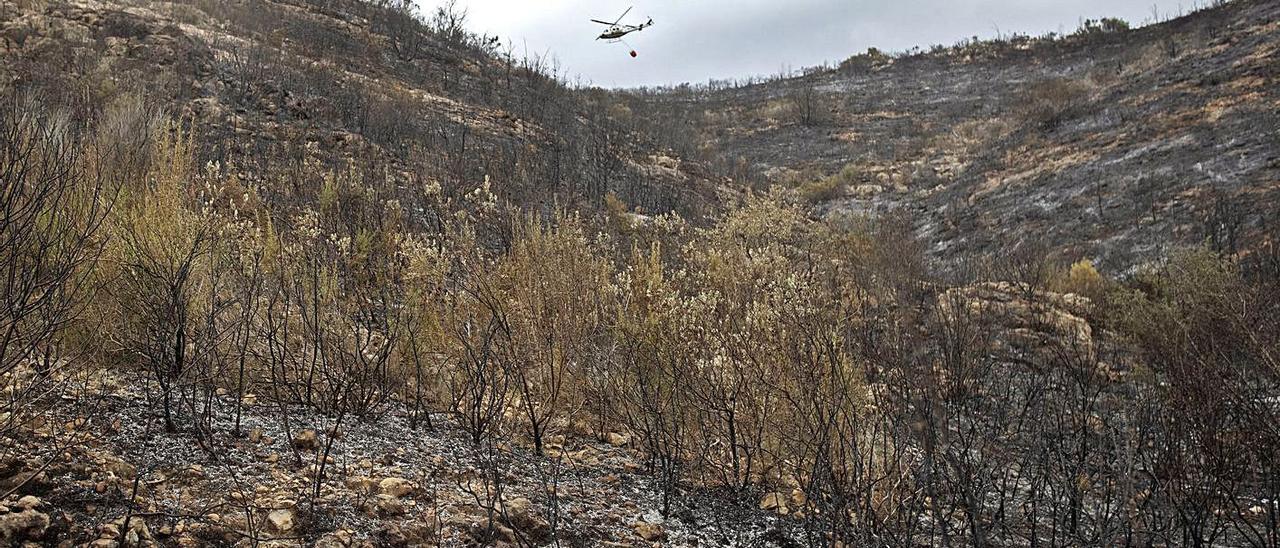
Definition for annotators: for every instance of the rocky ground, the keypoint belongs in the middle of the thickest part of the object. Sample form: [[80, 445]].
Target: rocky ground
[[385, 484], [1175, 132], [99, 468]]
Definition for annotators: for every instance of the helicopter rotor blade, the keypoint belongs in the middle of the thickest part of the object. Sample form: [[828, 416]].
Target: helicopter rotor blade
[[624, 14], [601, 22]]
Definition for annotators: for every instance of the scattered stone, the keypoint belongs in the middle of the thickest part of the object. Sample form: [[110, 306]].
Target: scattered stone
[[255, 435]]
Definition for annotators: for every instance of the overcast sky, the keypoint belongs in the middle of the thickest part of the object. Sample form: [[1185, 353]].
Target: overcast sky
[[694, 40]]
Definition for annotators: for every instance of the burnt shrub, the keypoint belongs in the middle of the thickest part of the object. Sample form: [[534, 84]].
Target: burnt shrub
[[1048, 104], [117, 24]]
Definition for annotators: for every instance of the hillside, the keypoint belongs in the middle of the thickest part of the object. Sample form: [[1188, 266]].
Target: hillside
[[270, 84], [338, 273], [1110, 144]]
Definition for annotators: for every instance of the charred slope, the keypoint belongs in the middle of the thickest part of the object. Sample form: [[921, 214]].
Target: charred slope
[[1109, 144], [268, 84]]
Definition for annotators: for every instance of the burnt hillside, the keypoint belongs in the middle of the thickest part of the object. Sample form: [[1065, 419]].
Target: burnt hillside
[[1110, 144], [335, 273], [268, 84]]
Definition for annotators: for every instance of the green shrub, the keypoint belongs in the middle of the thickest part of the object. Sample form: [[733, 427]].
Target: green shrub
[[1081, 278], [1106, 25]]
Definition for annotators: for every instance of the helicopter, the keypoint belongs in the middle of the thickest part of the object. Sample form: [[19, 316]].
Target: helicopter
[[615, 32]]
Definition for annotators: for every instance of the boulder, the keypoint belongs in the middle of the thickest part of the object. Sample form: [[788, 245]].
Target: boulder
[[471, 521], [798, 498], [362, 484], [1026, 319], [522, 517], [385, 505], [27, 525], [138, 530], [555, 441], [419, 532], [866, 191], [109, 531], [27, 503], [773, 501], [336, 539], [651, 532], [306, 440], [281, 520], [121, 468], [395, 487], [617, 440]]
